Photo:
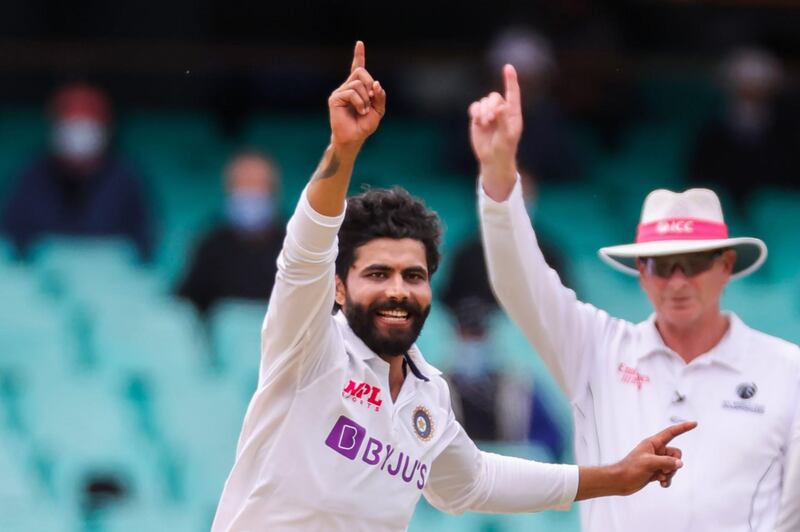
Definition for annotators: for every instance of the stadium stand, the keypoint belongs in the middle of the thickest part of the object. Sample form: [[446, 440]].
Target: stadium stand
[[120, 409]]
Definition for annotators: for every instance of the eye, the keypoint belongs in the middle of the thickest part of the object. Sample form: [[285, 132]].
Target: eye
[[376, 275], [415, 276]]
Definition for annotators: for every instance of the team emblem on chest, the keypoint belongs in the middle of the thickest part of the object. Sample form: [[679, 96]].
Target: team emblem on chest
[[423, 424]]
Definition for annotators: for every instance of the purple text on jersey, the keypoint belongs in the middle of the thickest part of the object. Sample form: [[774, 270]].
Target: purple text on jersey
[[347, 438]]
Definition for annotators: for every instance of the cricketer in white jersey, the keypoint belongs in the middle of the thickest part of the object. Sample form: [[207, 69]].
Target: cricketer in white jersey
[[349, 424], [688, 361]]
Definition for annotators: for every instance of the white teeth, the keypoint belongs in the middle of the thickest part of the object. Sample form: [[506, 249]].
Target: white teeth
[[394, 313]]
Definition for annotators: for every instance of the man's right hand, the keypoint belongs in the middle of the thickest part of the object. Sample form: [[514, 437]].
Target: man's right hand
[[357, 106], [652, 460]]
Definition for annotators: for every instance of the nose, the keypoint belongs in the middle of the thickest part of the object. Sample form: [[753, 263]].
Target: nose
[[677, 276], [396, 288]]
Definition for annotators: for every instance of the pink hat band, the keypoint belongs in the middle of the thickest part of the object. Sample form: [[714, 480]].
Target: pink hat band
[[681, 229]]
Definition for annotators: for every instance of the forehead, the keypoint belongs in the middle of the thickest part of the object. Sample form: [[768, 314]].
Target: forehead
[[394, 252]]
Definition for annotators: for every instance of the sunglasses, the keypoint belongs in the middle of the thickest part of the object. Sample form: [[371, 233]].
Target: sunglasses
[[691, 264]]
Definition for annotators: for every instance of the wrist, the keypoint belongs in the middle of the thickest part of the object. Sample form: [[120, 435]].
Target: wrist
[[599, 481], [498, 179], [345, 150]]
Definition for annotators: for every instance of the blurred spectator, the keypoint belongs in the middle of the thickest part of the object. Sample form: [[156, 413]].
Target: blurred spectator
[[237, 259], [548, 146], [80, 187], [491, 403], [751, 143], [469, 279]]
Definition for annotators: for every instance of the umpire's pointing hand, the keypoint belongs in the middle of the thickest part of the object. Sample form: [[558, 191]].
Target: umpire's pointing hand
[[495, 129]]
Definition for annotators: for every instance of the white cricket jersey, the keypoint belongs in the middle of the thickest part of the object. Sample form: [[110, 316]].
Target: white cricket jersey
[[625, 384], [323, 447]]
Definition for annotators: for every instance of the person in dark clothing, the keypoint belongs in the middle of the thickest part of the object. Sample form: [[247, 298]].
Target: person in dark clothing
[[469, 279], [237, 259], [549, 145], [491, 403], [753, 143], [80, 187]]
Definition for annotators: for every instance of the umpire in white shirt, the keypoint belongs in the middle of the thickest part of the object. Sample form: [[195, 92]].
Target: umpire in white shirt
[[690, 360]]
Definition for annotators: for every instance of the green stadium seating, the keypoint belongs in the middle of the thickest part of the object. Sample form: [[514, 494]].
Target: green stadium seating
[[81, 428], [775, 215], [200, 421], [437, 340], [154, 338], [610, 290], [24, 134], [235, 327], [770, 307]]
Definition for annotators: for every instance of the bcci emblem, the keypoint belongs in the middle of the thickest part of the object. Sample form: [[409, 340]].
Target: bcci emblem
[[746, 390], [423, 425]]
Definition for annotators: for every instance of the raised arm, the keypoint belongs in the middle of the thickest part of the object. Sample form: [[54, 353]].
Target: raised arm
[[355, 110], [559, 327], [298, 317], [463, 478]]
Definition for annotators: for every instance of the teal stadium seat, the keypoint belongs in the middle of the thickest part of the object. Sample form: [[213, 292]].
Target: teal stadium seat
[[771, 307], [610, 290], [200, 421], [775, 215], [81, 427], [95, 273], [24, 134], [235, 327], [580, 220], [151, 338]]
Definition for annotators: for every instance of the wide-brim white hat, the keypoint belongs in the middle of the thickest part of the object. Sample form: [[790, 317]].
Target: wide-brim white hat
[[684, 222]]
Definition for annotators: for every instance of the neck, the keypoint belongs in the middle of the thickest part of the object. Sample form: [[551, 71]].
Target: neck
[[693, 340], [396, 376]]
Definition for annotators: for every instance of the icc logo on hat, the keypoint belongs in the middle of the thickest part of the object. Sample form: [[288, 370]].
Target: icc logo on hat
[[746, 390]]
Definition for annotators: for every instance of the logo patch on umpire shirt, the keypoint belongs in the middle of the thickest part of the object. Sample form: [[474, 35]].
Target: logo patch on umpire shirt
[[423, 424], [746, 390]]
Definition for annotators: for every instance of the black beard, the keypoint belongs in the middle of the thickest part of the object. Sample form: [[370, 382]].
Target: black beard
[[362, 320]]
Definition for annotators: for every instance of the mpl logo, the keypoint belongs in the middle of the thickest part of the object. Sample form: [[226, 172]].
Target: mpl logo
[[357, 392], [347, 438], [675, 226]]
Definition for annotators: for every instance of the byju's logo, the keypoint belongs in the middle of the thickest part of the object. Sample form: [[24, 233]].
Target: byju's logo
[[346, 438], [361, 390]]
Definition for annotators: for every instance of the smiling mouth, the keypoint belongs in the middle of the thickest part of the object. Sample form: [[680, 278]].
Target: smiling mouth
[[393, 316]]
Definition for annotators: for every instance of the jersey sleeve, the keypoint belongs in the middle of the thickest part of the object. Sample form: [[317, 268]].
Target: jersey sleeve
[[564, 331], [464, 478], [298, 323]]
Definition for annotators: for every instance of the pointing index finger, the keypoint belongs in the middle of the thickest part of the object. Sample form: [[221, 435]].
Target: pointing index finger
[[359, 56], [665, 436], [512, 88]]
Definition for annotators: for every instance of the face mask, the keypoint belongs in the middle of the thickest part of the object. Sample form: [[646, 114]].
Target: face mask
[[79, 139], [473, 358], [250, 211]]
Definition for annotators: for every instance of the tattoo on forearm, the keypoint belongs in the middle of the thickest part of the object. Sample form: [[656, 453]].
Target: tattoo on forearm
[[330, 169]]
